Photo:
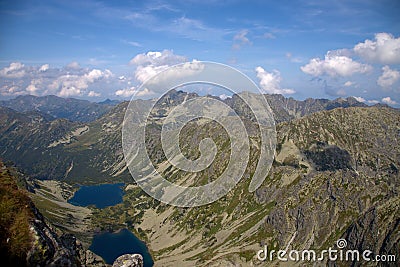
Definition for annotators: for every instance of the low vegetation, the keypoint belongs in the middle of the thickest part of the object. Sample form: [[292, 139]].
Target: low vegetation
[[15, 210]]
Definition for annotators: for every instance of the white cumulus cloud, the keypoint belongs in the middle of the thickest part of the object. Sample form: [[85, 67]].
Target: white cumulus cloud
[[334, 64], [76, 84], [359, 99], [128, 92], [373, 101], [270, 82], [388, 77], [34, 85], [389, 101], [176, 73], [153, 62], [144, 92], [93, 94], [71, 80], [384, 49], [143, 73], [15, 70], [44, 67], [156, 58], [31, 89], [69, 91]]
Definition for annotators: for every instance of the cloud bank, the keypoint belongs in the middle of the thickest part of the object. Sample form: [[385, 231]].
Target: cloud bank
[[270, 82], [384, 49], [363, 60], [69, 81], [388, 77], [334, 65], [72, 80]]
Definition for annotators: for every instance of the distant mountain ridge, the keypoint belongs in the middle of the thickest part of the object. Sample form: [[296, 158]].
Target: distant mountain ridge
[[109, 102], [284, 109], [58, 107], [85, 111], [289, 108]]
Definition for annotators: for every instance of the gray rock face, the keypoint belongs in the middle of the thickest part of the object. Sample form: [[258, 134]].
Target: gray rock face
[[129, 260], [380, 237], [50, 249], [84, 257]]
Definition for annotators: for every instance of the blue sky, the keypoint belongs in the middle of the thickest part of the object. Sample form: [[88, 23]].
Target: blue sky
[[105, 49]]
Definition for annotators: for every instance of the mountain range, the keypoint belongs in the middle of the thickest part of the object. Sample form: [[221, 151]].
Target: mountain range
[[335, 175], [46, 147], [58, 107]]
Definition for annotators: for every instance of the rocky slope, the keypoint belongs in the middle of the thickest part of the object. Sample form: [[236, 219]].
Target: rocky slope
[[335, 175], [331, 169], [61, 149], [26, 238]]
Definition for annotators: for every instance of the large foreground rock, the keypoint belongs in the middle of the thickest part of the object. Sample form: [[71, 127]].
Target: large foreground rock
[[129, 260]]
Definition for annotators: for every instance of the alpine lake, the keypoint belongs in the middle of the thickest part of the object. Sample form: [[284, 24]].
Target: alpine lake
[[106, 244]]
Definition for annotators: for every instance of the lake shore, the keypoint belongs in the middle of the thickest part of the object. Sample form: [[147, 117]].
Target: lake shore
[[111, 245]]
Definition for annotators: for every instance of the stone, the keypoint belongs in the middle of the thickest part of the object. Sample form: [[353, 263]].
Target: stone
[[129, 260]]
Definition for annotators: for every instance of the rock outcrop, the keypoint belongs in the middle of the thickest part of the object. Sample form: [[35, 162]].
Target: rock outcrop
[[27, 239], [50, 249], [129, 260]]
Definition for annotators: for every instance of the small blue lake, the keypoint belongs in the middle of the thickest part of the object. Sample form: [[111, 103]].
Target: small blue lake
[[101, 196], [112, 245]]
